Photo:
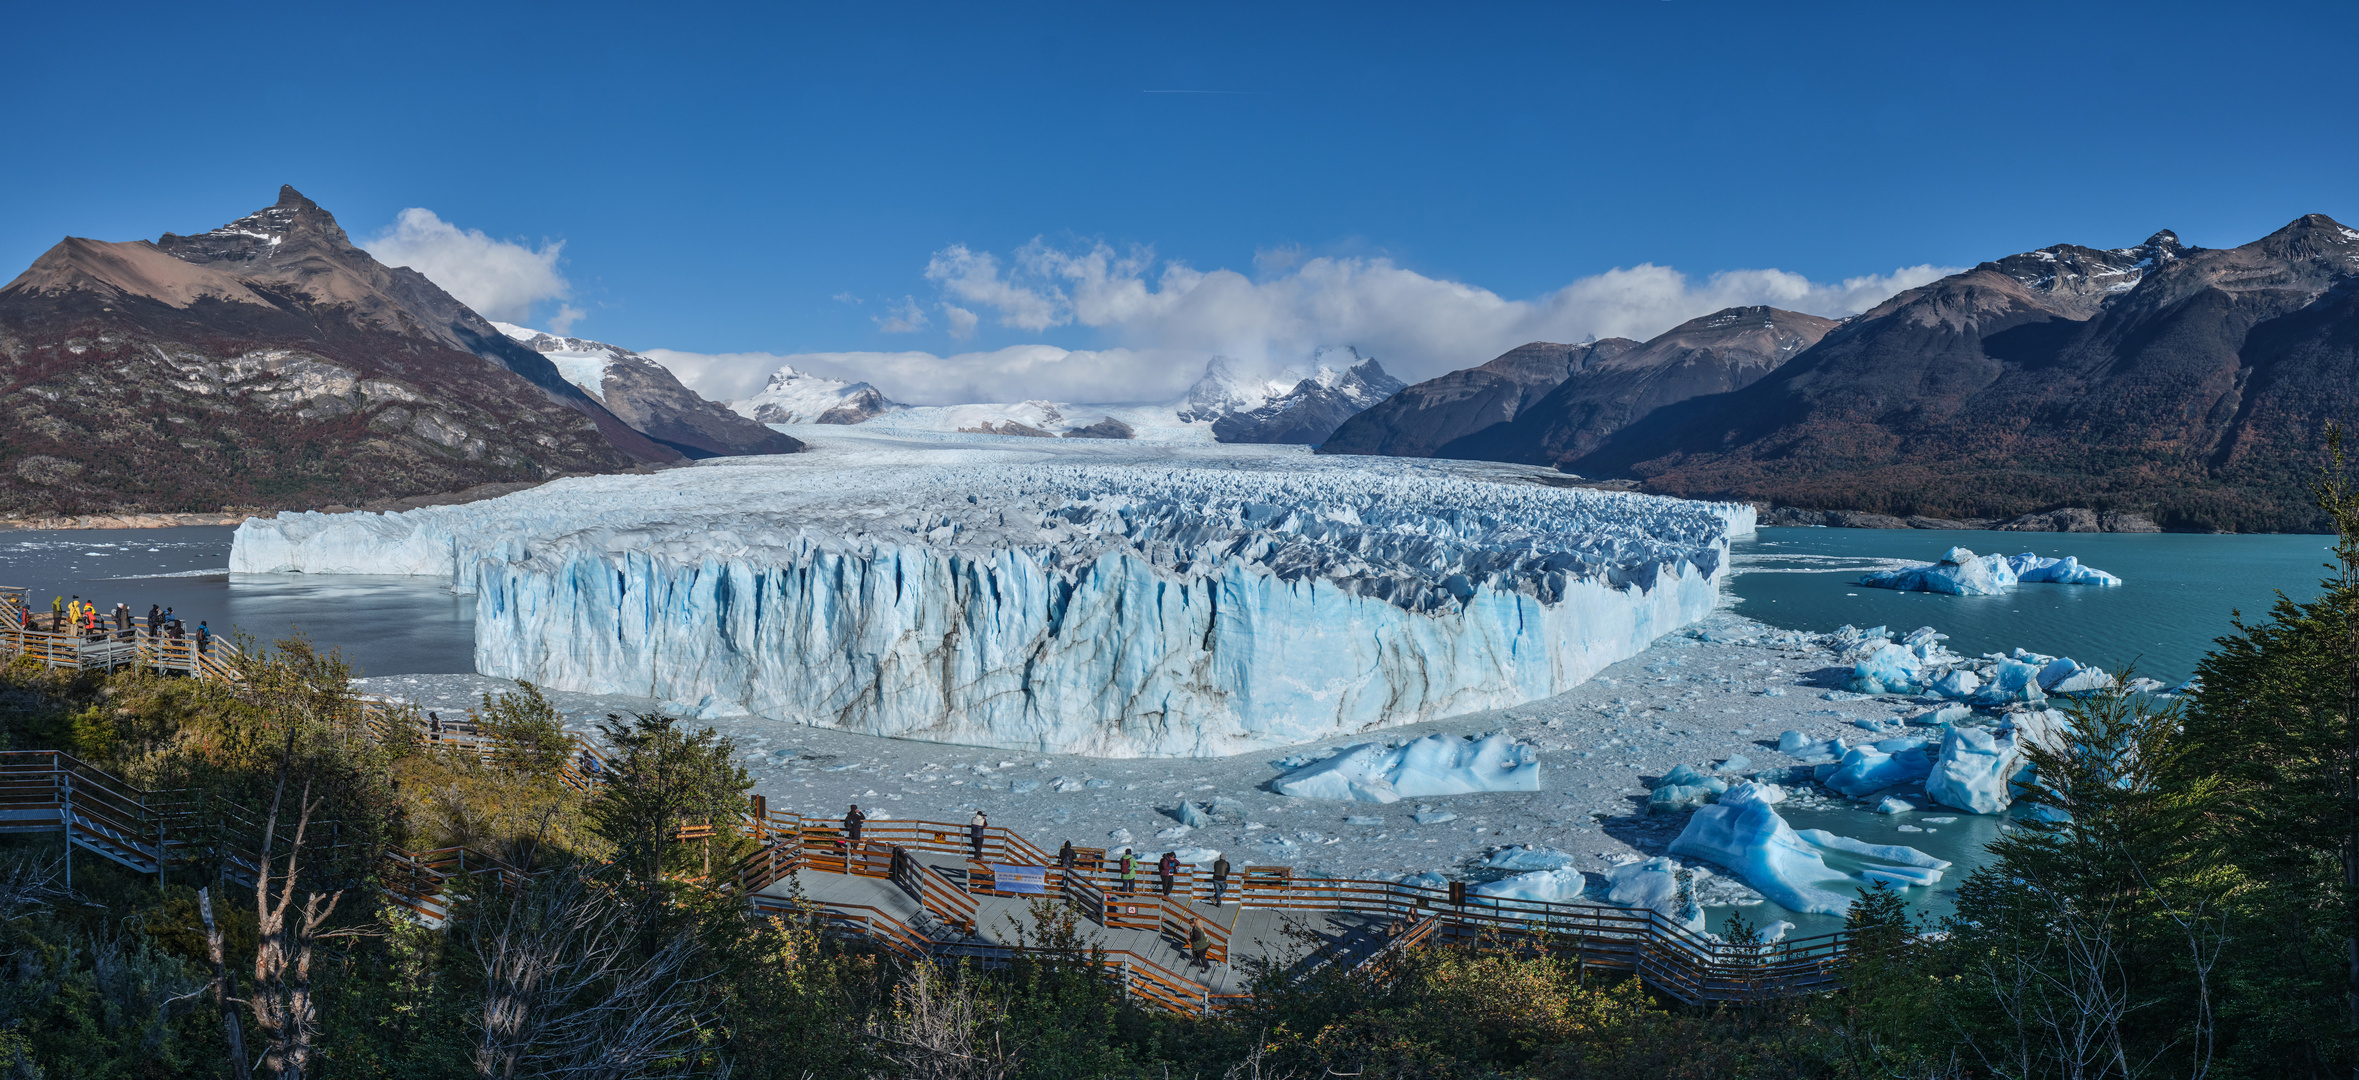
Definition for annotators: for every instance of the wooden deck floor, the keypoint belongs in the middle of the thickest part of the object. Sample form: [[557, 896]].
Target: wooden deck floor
[[1287, 938]]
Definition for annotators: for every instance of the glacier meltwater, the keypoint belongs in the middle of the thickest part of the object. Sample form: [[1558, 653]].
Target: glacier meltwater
[[1041, 595]]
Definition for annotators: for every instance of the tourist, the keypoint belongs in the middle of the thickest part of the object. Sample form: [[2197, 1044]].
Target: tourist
[[589, 764], [1167, 868], [1065, 858], [1220, 878], [204, 637], [1199, 945], [57, 613], [1130, 871], [155, 620], [975, 834], [434, 727], [122, 622], [853, 819]]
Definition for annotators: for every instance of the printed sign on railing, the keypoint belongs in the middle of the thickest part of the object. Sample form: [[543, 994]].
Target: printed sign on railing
[[1031, 880]]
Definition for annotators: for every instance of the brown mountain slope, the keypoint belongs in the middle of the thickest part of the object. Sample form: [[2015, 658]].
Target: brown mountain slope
[[1420, 420], [2187, 384], [1720, 352], [269, 363]]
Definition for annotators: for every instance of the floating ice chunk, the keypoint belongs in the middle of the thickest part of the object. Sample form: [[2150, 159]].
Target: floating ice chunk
[[1551, 886], [1973, 770], [1360, 820], [1963, 573], [1654, 885], [1744, 834], [1119, 836], [2065, 571], [1024, 786], [1866, 769], [1952, 713], [1894, 806], [2013, 680], [1195, 856], [2066, 676], [1434, 765], [1808, 749], [1528, 857], [2143, 685], [1891, 669], [1736, 764], [1906, 856], [1446, 765], [1433, 817], [1955, 683], [1775, 932], [1427, 879], [1193, 816], [1065, 785], [1173, 833]]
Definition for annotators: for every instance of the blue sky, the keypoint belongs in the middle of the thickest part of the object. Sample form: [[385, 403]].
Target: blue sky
[[776, 180]]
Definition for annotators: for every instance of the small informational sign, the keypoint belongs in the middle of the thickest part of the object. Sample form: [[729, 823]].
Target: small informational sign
[[1018, 879]]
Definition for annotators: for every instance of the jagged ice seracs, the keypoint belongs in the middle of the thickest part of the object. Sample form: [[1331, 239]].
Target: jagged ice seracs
[[1102, 599]]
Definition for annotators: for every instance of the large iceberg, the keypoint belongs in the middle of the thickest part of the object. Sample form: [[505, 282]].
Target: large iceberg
[[1745, 834], [1963, 573], [1434, 765], [1094, 597]]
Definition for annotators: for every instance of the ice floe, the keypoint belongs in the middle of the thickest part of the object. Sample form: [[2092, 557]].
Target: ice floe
[[1963, 573], [1744, 833]]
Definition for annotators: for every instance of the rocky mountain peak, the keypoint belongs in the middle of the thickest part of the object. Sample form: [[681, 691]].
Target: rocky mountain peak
[[272, 231], [2311, 236]]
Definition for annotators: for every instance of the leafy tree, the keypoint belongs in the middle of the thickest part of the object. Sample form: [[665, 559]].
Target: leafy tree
[[665, 779]]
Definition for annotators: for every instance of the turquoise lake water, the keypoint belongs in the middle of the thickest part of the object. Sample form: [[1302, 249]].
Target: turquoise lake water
[[2178, 592]]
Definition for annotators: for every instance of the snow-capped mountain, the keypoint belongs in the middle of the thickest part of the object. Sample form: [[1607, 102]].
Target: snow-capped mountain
[[801, 397], [1297, 405], [1304, 410], [647, 396]]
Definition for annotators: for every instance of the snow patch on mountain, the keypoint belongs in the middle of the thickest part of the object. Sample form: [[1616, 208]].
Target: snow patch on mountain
[[800, 397]]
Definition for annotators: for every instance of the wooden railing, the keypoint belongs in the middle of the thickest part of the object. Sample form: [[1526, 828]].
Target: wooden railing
[[1667, 956]]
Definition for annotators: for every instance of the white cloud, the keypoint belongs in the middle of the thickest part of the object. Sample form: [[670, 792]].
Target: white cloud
[[1161, 320], [567, 315], [500, 279], [903, 318], [1418, 326]]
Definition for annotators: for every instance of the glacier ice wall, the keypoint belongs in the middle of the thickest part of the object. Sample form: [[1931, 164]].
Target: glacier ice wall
[[1116, 602]]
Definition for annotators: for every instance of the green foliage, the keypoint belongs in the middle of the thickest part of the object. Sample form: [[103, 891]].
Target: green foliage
[[529, 733], [664, 779]]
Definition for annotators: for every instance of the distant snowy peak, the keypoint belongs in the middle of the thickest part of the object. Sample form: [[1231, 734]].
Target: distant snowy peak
[[582, 362], [1294, 407], [646, 395], [800, 397]]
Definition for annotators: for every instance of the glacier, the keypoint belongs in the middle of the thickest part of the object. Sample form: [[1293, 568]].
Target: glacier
[[1078, 596]]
